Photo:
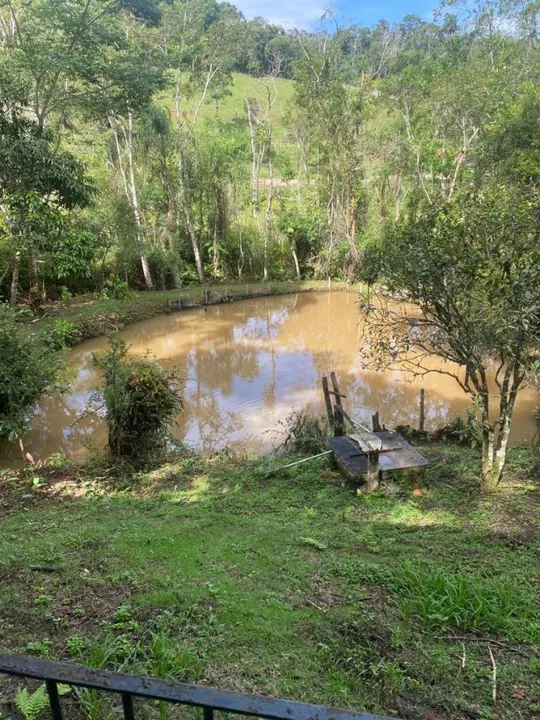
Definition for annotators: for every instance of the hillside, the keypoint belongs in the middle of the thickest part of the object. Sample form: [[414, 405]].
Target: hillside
[[233, 106]]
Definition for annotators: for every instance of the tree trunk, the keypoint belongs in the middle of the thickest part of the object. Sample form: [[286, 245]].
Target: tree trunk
[[490, 476], [5, 274], [296, 263], [268, 214], [188, 212], [15, 278], [135, 207], [33, 277], [495, 451], [130, 189], [255, 160], [215, 253]]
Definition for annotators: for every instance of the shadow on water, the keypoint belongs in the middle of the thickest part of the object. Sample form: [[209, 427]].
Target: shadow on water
[[245, 366]]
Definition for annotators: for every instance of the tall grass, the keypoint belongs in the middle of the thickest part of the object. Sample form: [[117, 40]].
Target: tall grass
[[444, 599]]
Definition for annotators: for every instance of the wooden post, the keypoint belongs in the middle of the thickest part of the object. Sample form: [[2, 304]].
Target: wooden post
[[328, 403], [339, 418], [335, 388], [422, 409], [376, 422], [339, 421], [372, 477]]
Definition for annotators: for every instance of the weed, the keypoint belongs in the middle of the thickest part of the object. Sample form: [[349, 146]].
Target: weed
[[115, 289], [305, 433], [40, 647], [32, 705], [312, 542], [43, 601], [63, 334], [75, 645], [443, 599]]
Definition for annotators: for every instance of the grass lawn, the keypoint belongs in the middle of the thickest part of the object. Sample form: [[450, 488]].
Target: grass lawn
[[207, 570]]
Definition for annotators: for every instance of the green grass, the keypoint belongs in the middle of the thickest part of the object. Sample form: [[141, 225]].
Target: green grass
[[232, 106], [208, 570], [89, 316]]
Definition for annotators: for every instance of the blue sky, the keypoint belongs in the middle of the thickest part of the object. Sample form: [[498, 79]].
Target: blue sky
[[306, 13]]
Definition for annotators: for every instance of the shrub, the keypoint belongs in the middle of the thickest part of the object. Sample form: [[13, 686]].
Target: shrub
[[114, 289], [63, 334], [141, 401], [27, 371], [305, 433]]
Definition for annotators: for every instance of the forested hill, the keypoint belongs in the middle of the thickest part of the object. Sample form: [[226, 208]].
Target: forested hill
[[157, 144]]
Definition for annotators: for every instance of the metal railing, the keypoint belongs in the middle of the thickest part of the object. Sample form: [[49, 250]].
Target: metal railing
[[128, 686]]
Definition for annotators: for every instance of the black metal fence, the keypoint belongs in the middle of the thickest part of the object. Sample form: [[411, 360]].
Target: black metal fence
[[128, 686]]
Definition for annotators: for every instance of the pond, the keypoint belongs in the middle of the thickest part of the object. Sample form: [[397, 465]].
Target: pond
[[245, 366]]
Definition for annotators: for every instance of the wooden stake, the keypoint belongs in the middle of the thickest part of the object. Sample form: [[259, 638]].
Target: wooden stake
[[328, 403], [339, 422], [422, 410], [372, 477]]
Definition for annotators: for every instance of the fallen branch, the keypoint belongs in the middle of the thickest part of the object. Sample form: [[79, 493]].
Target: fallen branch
[[315, 605], [494, 676], [459, 638]]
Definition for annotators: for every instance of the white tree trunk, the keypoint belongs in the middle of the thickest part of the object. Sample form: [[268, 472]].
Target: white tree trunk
[[15, 278], [188, 214], [135, 207], [130, 189]]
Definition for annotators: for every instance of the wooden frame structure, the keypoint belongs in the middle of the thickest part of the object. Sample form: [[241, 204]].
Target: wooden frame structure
[[365, 453]]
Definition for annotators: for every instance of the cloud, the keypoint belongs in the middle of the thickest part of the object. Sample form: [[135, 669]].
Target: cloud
[[287, 13]]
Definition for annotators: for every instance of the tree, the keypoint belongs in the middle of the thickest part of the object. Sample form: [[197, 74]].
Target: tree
[[64, 57], [27, 370], [464, 282], [38, 183]]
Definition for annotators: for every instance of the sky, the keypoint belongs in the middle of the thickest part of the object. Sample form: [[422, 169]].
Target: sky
[[306, 13]]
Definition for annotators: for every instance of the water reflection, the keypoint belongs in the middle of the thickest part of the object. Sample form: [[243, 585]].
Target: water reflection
[[244, 367]]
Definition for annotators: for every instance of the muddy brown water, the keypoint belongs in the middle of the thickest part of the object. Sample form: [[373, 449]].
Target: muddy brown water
[[245, 367]]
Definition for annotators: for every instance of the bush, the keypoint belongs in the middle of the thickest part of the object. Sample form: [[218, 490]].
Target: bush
[[63, 334], [141, 401], [305, 433], [114, 289], [27, 371]]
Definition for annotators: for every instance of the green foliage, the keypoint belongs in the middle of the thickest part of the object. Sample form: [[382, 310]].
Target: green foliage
[[314, 543], [472, 265], [305, 432], [472, 603], [114, 289], [33, 705], [141, 402], [63, 334], [464, 430], [27, 371]]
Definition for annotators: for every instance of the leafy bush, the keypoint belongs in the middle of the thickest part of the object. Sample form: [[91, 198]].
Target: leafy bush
[[141, 401], [114, 289], [27, 371], [63, 334]]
